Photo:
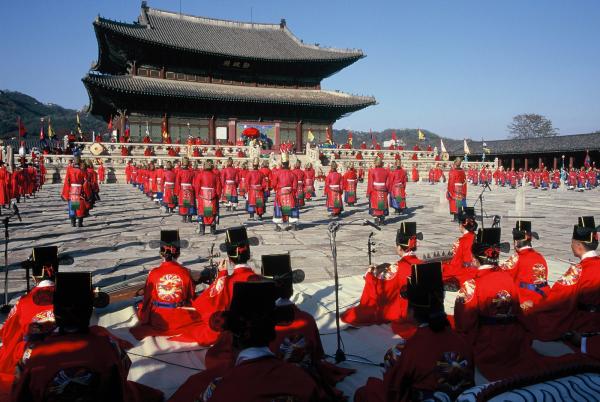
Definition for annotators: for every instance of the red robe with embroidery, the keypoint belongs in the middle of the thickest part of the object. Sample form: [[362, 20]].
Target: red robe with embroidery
[[333, 192], [266, 172], [101, 173], [229, 183], [299, 173], [166, 307], [457, 190], [264, 379], [377, 191], [428, 362], [285, 184], [414, 174], [4, 186], [309, 183], [380, 301], [461, 266], [530, 272], [207, 187], [349, 183], [257, 186], [185, 191], [487, 314], [242, 186], [90, 366], [568, 304], [128, 169], [396, 183], [77, 191]]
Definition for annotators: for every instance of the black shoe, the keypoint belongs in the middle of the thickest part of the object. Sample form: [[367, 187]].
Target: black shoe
[[80, 222], [73, 222], [184, 218], [213, 229], [277, 228], [201, 229], [294, 227], [259, 217], [251, 218]]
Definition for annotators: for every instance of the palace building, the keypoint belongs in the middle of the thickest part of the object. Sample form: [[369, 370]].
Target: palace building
[[212, 78]]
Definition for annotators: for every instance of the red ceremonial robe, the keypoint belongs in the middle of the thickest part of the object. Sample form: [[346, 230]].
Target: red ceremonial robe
[[101, 173], [426, 363], [285, 184], [91, 366], [76, 192], [457, 190], [259, 378], [166, 307], [207, 187], [377, 192], [128, 173], [309, 183], [299, 173], [169, 195], [229, 183], [530, 272], [461, 266], [349, 184], [333, 192], [380, 301], [414, 174], [242, 186], [4, 186], [257, 186], [486, 313], [396, 183], [185, 191]]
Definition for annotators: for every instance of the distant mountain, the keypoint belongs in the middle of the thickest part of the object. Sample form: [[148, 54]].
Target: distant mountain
[[15, 104], [408, 136]]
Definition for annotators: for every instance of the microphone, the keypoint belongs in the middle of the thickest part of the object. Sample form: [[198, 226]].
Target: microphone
[[16, 211], [297, 275], [372, 224]]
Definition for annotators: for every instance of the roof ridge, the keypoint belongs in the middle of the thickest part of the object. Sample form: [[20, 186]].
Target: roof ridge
[[213, 21]]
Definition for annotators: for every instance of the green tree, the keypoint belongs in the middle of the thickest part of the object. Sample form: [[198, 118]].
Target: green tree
[[531, 125]]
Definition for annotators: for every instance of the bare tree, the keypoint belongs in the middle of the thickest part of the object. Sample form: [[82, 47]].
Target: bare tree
[[531, 125]]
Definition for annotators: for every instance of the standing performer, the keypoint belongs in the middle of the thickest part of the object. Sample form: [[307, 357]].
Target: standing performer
[[101, 173], [300, 195], [4, 186], [285, 183], [396, 183], [457, 188], [266, 172], [169, 194], [77, 192], [349, 184], [207, 186], [333, 191], [242, 185], [377, 191], [229, 183], [257, 187], [415, 173], [168, 294], [185, 191], [309, 182]]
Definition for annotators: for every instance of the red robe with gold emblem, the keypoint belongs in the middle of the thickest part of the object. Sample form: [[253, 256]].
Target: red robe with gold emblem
[[167, 305], [207, 186], [530, 272], [461, 266], [333, 192], [185, 191], [457, 190], [377, 192], [426, 363], [380, 301]]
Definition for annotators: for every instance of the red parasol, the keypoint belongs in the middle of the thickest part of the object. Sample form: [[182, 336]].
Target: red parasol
[[251, 132]]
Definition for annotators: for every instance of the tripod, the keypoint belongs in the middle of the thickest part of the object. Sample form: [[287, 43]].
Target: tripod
[[6, 220]]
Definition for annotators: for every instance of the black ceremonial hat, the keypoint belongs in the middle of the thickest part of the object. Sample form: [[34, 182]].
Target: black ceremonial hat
[[236, 236], [275, 266], [251, 299], [489, 236], [466, 212], [586, 222], [407, 234], [73, 288], [487, 244], [586, 231], [45, 261], [170, 238], [425, 287], [522, 230]]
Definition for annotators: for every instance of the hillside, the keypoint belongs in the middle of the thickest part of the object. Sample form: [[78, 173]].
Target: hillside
[[15, 104], [407, 135]]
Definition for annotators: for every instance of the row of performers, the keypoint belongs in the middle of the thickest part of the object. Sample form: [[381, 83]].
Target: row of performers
[[201, 191], [539, 178], [81, 189], [21, 183]]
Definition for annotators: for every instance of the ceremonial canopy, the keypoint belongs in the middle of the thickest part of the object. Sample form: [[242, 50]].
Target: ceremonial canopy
[[212, 78]]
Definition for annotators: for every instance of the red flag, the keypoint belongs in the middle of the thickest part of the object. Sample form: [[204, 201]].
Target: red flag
[[110, 126], [42, 135], [22, 130]]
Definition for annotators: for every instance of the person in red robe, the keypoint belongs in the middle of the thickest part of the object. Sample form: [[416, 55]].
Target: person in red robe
[[77, 191], [396, 183], [380, 301], [101, 173], [258, 375], [349, 184], [169, 195], [285, 184], [309, 182], [462, 267], [377, 191], [217, 296], [528, 268], [257, 186], [185, 191], [487, 313], [457, 188], [300, 178], [266, 172], [207, 187], [4, 186], [242, 184], [229, 183], [168, 294], [435, 361], [572, 303], [414, 174], [77, 362], [333, 191], [150, 186]]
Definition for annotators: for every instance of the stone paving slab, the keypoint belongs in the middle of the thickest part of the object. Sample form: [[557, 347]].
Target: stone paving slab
[[113, 244]]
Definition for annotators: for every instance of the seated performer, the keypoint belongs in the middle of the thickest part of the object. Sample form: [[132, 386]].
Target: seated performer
[[461, 267], [349, 183], [218, 295], [435, 361], [528, 267], [258, 375], [76, 363], [257, 187], [32, 318], [207, 186], [380, 301], [333, 191], [573, 302], [487, 314], [166, 308]]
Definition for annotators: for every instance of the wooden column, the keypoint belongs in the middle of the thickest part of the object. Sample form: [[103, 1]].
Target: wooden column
[[571, 161], [526, 164], [277, 139], [299, 136], [121, 127], [232, 130], [134, 68], [212, 131], [512, 163], [555, 164]]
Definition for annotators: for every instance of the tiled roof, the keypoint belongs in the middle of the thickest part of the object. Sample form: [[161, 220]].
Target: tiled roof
[[221, 37], [228, 93]]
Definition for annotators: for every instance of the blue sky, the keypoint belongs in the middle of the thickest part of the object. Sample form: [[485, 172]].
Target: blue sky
[[459, 68]]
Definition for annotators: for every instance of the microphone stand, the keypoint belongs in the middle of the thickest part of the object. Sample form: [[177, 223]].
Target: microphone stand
[[480, 200]]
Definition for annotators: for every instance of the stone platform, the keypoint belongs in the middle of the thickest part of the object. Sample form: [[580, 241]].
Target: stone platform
[[114, 241]]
